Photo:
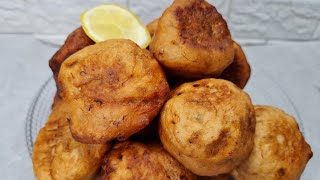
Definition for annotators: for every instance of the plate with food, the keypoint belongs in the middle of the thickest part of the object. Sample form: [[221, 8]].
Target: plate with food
[[162, 101]]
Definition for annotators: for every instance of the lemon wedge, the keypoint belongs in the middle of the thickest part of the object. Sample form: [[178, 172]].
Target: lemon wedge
[[111, 21]]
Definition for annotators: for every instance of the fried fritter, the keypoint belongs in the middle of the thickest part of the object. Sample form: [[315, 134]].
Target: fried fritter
[[239, 71], [192, 40], [56, 155], [208, 126], [76, 41], [113, 89], [131, 160], [152, 27], [280, 150]]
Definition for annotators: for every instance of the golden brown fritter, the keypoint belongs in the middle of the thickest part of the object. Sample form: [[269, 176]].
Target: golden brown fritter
[[113, 89], [279, 152], [76, 41], [131, 160], [152, 27], [56, 155], [239, 71], [192, 40], [208, 126]]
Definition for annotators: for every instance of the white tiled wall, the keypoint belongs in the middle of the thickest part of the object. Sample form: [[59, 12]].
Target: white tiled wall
[[257, 21]]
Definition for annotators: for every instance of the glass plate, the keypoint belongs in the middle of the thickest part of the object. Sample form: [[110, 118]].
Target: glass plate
[[39, 111], [262, 88]]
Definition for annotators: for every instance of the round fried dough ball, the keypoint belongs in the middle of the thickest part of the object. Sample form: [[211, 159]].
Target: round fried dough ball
[[131, 160], [113, 89], [208, 126], [56, 155], [239, 71], [279, 152], [192, 40]]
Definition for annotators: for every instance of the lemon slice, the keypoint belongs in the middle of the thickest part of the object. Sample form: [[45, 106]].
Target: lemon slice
[[111, 21]]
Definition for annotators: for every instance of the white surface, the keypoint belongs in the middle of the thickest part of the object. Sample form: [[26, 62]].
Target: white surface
[[23, 68], [291, 71]]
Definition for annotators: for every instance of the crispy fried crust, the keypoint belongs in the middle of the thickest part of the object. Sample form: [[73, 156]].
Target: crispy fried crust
[[130, 160], [192, 40], [113, 88], [208, 126], [152, 27], [76, 41], [56, 155], [239, 71], [280, 151]]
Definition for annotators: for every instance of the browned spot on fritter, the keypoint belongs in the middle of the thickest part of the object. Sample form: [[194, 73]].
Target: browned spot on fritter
[[112, 76], [98, 101], [194, 137], [107, 168], [201, 25], [215, 146], [281, 172]]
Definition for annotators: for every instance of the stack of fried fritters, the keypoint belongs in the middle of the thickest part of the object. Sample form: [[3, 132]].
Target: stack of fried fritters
[[174, 111]]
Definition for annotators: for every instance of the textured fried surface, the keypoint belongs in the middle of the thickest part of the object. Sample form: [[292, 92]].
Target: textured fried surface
[[192, 40], [152, 27], [130, 160], [208, 126], [76, 41], [113, 88], [239, 71], [56, 155], [279, 152]]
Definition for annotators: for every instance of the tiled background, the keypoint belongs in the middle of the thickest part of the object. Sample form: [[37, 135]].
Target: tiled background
[[259, 21], [282, 39]]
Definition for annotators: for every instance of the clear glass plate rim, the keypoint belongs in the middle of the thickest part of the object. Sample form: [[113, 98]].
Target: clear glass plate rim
[[30, 116]]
